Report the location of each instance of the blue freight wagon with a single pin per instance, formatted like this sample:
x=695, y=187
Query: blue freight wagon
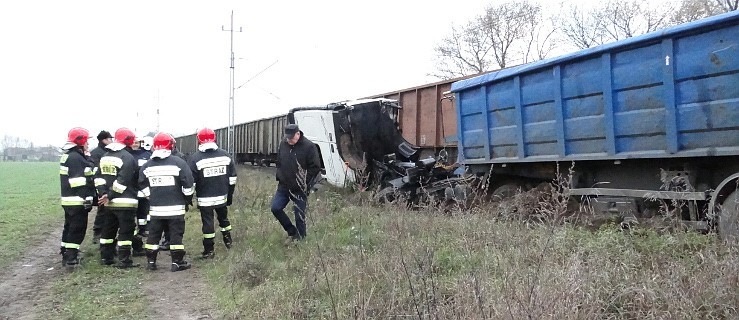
x=654, y=116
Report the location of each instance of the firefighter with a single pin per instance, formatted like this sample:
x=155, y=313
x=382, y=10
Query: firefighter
x=141, y=153
x=117, y=189
x=104, y=138
x=168, y=183
x=215, y=180
x=75, y=175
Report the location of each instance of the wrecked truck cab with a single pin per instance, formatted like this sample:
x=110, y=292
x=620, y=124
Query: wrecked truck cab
x=351, y=134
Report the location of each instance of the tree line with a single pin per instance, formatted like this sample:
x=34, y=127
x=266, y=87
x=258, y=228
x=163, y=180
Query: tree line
x=519, y=31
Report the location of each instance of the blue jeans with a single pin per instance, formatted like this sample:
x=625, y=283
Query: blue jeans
x=300, y=202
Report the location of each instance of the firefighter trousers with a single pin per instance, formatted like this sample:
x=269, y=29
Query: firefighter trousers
x=206, y=214
x=176, y=225
x=75, y=226
x=122, y=222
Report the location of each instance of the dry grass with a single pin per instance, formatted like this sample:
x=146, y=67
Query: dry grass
x=364, y=262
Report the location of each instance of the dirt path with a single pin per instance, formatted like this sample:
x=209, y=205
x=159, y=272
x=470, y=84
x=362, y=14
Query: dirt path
x=25, y=282
x=178, y=295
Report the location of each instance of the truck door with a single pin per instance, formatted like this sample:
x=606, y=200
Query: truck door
x=318, y=126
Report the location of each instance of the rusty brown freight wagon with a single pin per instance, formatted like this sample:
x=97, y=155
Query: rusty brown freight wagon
x=426, y=118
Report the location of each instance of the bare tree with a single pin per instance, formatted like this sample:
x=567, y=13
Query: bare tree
x=582, y=28
x=728, y=5
x=462, y=53
x=508, y=33
x=628, y=18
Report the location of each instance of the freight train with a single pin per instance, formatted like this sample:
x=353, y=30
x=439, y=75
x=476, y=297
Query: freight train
x=645, y=120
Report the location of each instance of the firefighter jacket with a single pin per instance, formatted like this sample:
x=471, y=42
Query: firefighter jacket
x=76, y=176
x=298, y=165
x=215, y=176
x=118, y=177
x=168, y=183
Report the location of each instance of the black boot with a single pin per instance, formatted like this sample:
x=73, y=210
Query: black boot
x=178, y=262
x=107, y=254
x=151, y=258
x=124, y=258
x=138, y=246
x=70, y=257
x=208, y=252
x=227, y=238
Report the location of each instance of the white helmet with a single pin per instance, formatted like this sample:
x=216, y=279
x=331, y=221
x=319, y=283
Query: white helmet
x=147, y=142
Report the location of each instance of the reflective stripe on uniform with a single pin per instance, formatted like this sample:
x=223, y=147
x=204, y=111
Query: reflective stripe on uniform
x=142, y=222
x=77, y=182
x=187, y=191
x=160, y=211
x=176, y=247
x=166, y=170
x=145, y=193
x=228, y=228
x=99, y=182
x=232, y=180
x=89, y=171
x=63, y=170
x=125, y=243
x=209, y=235
x=72, y=201
x=141, y=194
x=118, y=162
x=211, y=201
x=123, y=203
x=151, y=246
x=71, y=245
x=117, y=187
x=213, y=162
x=106, y=241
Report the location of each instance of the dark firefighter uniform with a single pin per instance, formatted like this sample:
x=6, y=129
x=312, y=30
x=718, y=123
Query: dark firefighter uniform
x=118, y=180
x=168, y=183
x=76, y=176
x=141, y=156
x=215, y=181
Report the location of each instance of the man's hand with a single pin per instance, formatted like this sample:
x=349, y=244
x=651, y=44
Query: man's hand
x=103, y=200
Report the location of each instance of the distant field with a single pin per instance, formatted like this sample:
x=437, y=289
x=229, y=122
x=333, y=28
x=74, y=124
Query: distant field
x=29, y=206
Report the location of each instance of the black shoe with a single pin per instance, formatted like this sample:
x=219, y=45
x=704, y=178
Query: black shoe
x=207, y=255
x=227, y=239
x=179, y=266
x=107, y=262
x=151, y=266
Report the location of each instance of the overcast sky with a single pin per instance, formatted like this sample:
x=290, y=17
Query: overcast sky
x=107, y=64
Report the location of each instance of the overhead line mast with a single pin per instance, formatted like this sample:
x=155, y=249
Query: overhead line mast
x=232, y=84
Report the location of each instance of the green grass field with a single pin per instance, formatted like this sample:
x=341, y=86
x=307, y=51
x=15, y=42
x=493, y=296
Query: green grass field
x=366, y=261
x=29, y=206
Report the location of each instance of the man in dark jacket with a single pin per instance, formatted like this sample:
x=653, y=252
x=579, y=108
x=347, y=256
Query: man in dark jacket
x=298, y=165
x=104, y=138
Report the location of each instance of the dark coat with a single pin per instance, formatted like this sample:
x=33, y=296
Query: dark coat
x=290, y=159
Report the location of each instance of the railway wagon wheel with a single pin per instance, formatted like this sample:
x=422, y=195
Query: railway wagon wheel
x=728, y=218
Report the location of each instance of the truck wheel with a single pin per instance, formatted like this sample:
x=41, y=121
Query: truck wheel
x=505, y=191
x=728, y=218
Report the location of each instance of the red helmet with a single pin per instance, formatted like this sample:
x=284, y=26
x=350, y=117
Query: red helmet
x=206, y=135
x=78, y=136
x=163, y=141
x=125, y=136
